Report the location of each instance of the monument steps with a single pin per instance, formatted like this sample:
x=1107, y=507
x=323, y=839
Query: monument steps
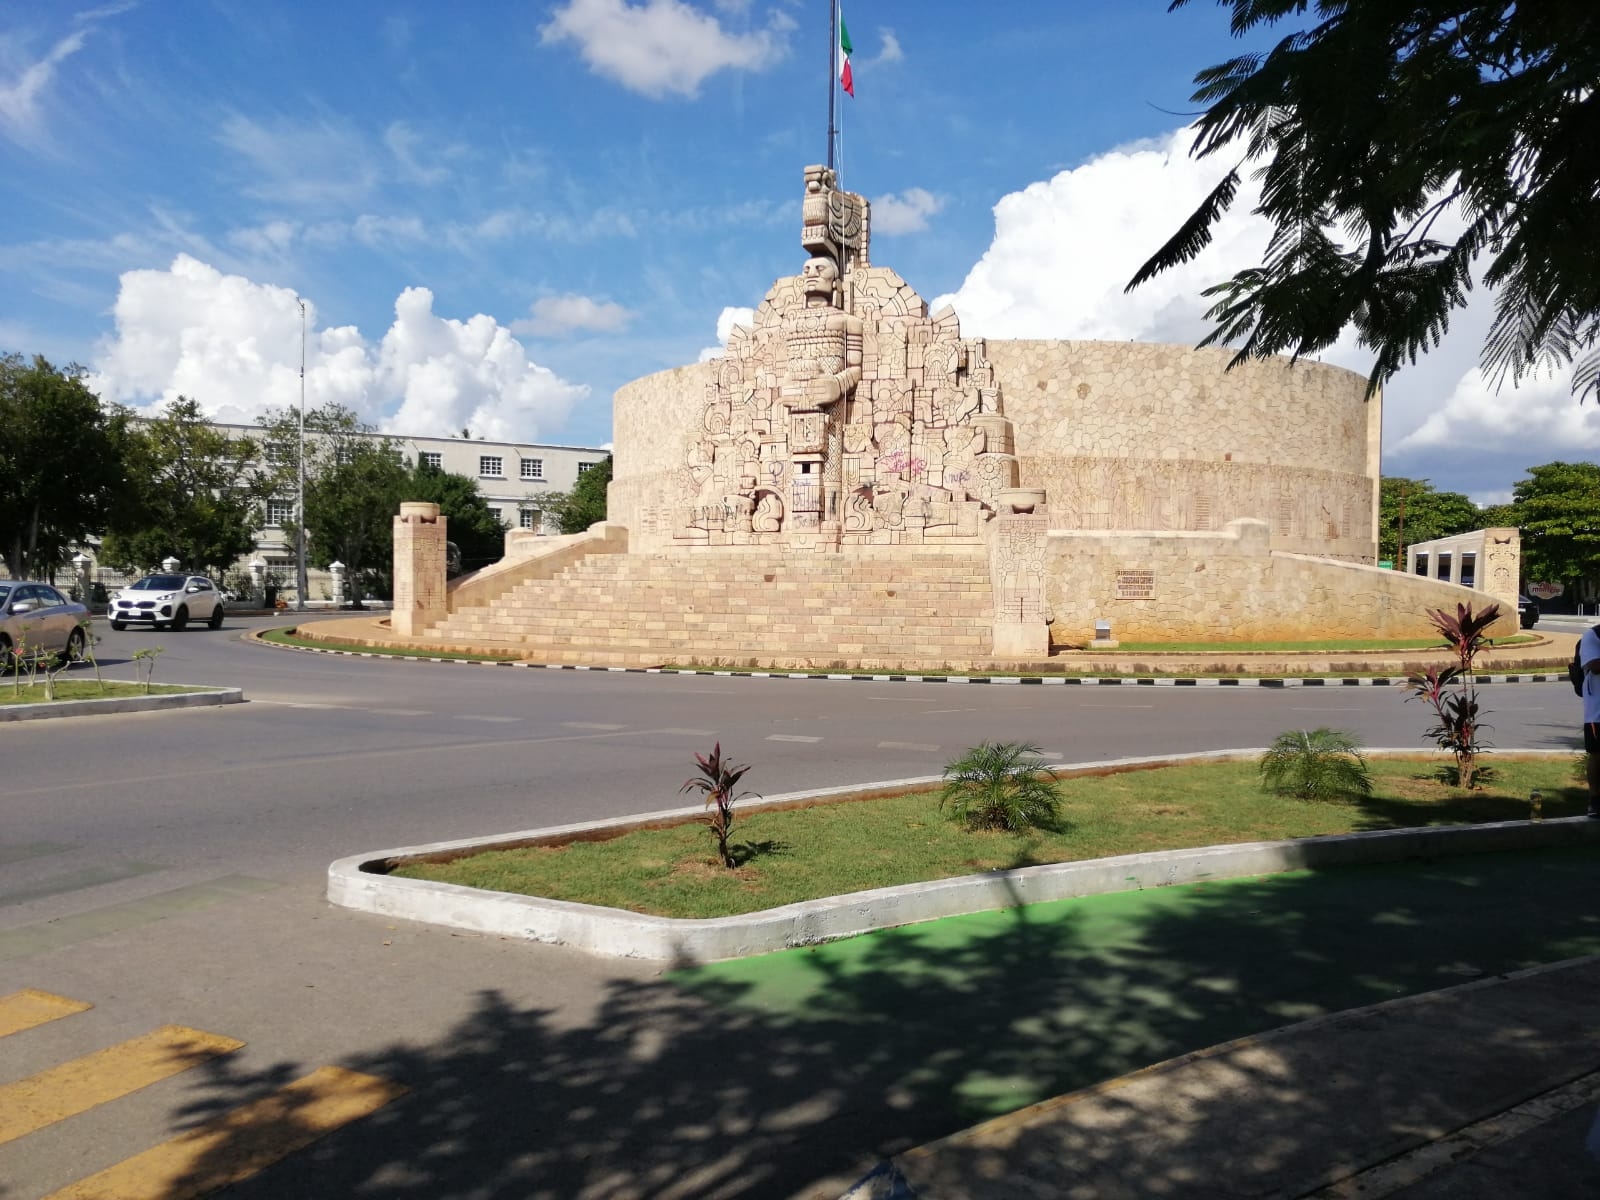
x=747, y=607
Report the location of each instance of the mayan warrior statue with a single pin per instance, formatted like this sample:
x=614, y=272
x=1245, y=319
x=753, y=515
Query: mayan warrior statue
x=845, y=414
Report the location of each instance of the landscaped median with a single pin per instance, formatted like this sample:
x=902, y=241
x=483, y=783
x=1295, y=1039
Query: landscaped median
x=1014, y=869
x=82, y=698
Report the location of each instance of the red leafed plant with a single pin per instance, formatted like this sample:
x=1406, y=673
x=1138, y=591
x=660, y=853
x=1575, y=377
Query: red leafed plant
x=717, y=779
x=1453, y=691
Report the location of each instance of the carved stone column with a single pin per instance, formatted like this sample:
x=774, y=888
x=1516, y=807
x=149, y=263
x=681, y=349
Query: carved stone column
x=419, y=568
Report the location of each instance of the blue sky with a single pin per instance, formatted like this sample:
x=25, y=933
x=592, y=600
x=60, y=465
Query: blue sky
x=496, y=213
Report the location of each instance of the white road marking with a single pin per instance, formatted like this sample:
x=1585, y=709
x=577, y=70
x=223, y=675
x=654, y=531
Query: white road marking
x=688, y=732
x=906, y=746
x=591, y=725
x=791, y=737
x=490, y=720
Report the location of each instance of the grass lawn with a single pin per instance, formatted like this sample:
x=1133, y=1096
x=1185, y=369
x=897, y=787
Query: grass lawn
x=834, y=848
x=85, y=689
x=288, y=637
x=1323, y=647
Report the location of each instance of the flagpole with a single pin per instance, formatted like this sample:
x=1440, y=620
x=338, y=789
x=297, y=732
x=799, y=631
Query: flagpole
x=833, y=75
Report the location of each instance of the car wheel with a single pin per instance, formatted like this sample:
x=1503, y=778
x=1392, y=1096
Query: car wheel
x=74, y=651
x=180, y=619
x=119, y=626
x=216, y=618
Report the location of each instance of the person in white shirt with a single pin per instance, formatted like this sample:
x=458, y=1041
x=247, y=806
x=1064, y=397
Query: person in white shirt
x=1589, y=656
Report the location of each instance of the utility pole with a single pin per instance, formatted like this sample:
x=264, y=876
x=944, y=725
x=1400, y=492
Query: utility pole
x=300, y=584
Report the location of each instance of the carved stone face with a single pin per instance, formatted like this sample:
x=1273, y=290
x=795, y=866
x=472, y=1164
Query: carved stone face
x=819, y=277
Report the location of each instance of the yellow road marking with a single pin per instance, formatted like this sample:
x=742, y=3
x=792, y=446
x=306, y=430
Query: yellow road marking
x=108, y=1074
x=29, y=1007
x=237, y=1144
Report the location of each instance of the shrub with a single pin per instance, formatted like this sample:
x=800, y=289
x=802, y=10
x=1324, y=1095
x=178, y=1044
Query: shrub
x=1001, y=785
x=1453, y=692
x=717, y=779
x=1315, y=764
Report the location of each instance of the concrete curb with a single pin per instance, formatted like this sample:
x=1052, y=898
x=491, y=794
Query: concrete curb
x=209, y=698
x=361, y=882
x=1284, y=681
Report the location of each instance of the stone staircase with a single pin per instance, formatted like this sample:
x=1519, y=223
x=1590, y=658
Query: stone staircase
x=750, y=607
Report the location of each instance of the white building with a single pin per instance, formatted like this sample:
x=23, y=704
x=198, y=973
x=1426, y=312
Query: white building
x=513, y=477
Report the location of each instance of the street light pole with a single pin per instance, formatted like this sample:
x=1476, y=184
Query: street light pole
x=300, y=502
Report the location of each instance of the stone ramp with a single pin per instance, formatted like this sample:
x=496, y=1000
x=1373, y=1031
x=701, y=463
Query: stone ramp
x=750, y=607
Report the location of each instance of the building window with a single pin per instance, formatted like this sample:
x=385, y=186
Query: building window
x=434, y=459
x=1442, y=570
x=494, y=512
x=1422, y=564
x=491, y=466
x=280, y=512
x=582, y=467
x=533, y=468
x=528, y=518
x=1469, y=568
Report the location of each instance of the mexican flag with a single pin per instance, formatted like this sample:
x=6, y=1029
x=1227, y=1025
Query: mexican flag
x=846, y=80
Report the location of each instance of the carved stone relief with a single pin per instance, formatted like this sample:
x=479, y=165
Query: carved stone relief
x=846, y=413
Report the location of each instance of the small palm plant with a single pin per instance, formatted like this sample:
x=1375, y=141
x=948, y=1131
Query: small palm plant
x=1316, y=764
x=717, y=779
x=1001, y=785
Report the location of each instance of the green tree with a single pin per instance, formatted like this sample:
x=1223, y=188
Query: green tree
x=1559, y=505
x=1425, y=513
x=191, y=495
x=354, y=484
x=585, y=504
x=62, y=469
x=477, y=532
x=1378, y=123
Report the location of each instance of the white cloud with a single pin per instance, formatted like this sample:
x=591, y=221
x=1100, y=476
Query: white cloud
x=19, y=97
x=660, y=46
x=1065, y=248
x=234, y=345
x=315, y=164
x=403, y=143
x=554, y=316
x=891, y=51
x=726, y=320
x=907, y=212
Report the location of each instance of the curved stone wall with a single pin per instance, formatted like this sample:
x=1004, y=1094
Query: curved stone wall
x=1137, y=436
x=1122, y=435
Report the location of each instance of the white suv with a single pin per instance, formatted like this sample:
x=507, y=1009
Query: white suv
x=167, y=600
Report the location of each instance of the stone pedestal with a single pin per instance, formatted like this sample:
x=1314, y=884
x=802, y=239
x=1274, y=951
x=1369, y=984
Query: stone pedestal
x=419, y=568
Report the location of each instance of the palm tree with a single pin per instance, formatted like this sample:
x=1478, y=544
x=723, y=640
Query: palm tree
x=1001, y=785
x=1316, y=764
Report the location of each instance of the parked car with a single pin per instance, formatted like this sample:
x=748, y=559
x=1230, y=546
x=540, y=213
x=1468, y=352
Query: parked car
x=1527, y=611
x=36, y=617
x=167, y=601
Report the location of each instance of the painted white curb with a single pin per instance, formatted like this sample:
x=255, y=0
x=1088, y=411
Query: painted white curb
x=120, y=704
x=359, y=882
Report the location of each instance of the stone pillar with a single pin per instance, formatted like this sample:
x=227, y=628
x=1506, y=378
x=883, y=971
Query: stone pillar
x=258, y=582
x=80, y=571
x=1018, y=574
x=170, y=565
x=419, y=568
x=336, y=585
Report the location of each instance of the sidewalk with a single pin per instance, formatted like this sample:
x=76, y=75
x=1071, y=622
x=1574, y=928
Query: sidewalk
x=1486, y=1089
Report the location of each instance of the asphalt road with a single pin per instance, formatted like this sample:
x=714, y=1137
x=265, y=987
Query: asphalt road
x=168, y=867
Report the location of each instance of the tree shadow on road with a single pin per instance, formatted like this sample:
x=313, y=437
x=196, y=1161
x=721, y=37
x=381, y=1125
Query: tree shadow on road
x=789, y=1075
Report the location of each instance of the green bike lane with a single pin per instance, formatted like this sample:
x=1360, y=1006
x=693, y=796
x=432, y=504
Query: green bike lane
x=980, y=1015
